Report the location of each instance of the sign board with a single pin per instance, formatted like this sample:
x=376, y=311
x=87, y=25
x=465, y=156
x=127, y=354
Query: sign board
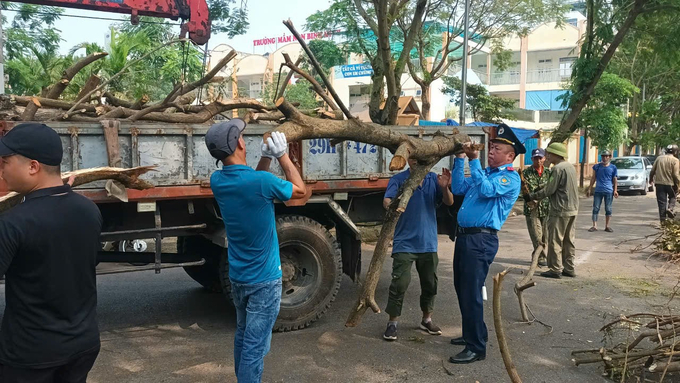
x=353, y=70
x=290, y=38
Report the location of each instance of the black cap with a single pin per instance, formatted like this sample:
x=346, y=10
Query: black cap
x=34, y=141
x=505, y=135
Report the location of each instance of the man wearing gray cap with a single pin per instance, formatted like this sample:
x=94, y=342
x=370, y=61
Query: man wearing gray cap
x=246, y=200
x=536, y=212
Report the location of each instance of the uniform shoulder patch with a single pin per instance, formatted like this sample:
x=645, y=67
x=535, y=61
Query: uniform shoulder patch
x=505, y=181
x=510, y=168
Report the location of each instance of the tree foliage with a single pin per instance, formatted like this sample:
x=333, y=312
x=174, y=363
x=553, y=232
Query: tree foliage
x=300, y=92
x=604, y=117
x=484, y=107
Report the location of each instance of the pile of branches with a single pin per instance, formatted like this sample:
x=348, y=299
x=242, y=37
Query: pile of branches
x=640, y=348
x=94, y=103
x=667, y=244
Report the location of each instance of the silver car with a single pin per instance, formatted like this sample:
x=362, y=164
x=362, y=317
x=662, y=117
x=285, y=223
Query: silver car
x=633, y=174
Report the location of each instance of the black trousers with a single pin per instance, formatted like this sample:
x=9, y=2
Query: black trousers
x=73, y=372
x=473, y=255
x=665, y=198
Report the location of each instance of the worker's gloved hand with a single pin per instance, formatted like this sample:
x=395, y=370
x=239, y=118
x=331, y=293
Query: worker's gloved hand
x=266, y=152
x=277, y=144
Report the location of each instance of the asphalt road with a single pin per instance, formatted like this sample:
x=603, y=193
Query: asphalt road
x=165, y=328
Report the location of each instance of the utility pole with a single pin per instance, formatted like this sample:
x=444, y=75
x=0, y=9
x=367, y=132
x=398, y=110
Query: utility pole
x=463, y=76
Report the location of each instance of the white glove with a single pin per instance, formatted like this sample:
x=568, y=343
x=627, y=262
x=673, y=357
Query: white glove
x=277, y=144
x=266, y=152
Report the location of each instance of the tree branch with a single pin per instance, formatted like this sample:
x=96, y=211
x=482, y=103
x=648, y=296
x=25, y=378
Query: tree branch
x=317, y=87
x=286, y=80
x=319, y=70
x=57, y=89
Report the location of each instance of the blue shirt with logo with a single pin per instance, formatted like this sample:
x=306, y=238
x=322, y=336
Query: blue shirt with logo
x=416, y=230
x=604, y=176
x=489, y=194
x=246, y=200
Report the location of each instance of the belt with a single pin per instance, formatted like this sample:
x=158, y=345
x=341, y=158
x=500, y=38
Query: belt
x=476, y=230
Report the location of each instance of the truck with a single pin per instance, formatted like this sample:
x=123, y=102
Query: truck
x=319, y=236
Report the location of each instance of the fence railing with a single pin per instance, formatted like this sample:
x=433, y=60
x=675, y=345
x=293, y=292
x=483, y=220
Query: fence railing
x=550, y=116
x=519, y=114
x=547, y=75
x=504, y=78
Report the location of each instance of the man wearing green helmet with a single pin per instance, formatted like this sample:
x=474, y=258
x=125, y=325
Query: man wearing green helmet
x=562, y=190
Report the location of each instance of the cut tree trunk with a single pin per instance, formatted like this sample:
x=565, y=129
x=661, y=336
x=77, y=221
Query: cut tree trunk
x=425, y=100
x=128, y=177
x=427, y=153
x=90, y=84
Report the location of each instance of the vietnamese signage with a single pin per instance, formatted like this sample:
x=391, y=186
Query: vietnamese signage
x=353, y=70
x=290, y=38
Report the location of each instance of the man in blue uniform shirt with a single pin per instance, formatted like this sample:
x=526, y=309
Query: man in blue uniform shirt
x=415, y=240
x=246, y=200
x=489, y=196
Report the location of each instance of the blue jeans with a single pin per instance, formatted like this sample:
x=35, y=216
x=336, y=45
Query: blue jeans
x=597, y=202
x=257, y=306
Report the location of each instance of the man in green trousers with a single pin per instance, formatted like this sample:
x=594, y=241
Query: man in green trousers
x=562, y=190
x=415, y=240
x=536, y=177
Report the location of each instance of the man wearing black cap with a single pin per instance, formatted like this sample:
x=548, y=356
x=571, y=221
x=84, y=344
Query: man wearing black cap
x=536, y=176
x=48, y=253
x=490, y=195
x=246, y=200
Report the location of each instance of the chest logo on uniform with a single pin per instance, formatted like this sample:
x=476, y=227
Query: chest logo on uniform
x=505, y=181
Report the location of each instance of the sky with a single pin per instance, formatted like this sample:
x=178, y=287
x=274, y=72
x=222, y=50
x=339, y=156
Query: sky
x=265, y=17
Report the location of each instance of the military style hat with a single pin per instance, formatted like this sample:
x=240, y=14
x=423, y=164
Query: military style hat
x=505, y=135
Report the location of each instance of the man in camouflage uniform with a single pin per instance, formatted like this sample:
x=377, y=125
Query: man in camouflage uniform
x=535, y=212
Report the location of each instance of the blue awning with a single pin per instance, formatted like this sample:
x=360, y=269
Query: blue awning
x=545, y=100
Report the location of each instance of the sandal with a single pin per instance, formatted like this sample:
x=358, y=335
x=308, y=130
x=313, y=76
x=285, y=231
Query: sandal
x=592, y=229
x=609, y=230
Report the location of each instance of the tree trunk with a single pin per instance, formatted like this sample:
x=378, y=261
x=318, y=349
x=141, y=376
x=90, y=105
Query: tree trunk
x=366, y=298
x=567, y=126
x=377, y=94
x=425, y=100
x=428, y=153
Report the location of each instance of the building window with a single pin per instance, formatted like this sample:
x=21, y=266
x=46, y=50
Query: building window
x=566, y=63
x=573, y=22
x=481, y=66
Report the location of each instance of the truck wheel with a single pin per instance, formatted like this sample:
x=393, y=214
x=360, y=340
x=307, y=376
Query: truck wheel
x=224, y=277
x=311, y=265
x=208, y=274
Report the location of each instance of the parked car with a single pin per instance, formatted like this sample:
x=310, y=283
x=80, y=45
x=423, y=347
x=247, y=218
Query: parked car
x=633, y=174
x=651, y=158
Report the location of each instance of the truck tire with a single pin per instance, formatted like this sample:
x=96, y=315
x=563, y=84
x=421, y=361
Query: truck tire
x=208, y=274
x=311, y=264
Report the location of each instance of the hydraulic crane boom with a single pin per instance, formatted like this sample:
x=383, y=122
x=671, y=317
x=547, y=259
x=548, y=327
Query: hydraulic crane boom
x=195, y=11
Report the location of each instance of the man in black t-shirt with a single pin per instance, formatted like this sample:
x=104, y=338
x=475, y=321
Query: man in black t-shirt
x=48, y=249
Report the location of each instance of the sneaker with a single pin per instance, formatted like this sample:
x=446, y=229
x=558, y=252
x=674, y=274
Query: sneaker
x=390, y=333
x=431, y=328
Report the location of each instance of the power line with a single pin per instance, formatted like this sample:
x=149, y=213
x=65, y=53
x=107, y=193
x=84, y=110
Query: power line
x=92, y=17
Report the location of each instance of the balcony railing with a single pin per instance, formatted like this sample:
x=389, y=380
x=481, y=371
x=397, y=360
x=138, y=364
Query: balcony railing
x=482, y=76
x=547, y=75
x=505, y=78
x=519, y=114
x=550, y=116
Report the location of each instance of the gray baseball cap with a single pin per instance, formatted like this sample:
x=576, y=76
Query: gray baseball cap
x=222, y=138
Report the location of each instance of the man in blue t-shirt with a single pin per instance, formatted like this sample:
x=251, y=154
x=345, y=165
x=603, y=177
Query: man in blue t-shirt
x=246, y=200
x=605, y=174
x=415, y=240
